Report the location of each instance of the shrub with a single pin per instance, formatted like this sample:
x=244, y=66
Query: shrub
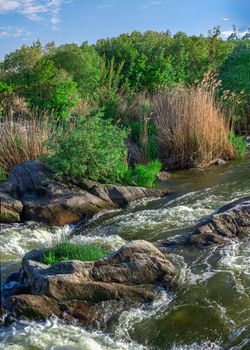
x=22, y=140
x=239, y=144
x=70, y=251
x=93, y=148
x=191, y=127
x=145, y=175
x=3, y=174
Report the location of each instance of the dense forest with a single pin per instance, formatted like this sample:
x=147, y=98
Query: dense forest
x=126, y=107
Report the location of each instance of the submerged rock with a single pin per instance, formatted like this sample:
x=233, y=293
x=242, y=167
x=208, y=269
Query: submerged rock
x=163, y=176
x=231, y=221
x=217, y=162
x=57, y=203
x=10, y=206
x=133, y=273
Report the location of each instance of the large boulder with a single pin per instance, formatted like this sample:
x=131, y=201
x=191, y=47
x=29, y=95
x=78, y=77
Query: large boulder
x=135, y=272
x=10, y=206
x=55, y=202
x=232, y=221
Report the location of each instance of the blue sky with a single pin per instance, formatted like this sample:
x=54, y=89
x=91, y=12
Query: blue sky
x=24, y=21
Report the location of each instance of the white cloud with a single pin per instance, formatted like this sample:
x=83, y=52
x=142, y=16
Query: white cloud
x=152, y=3
x=107, y=4
x=13, y=32
x=227, y=33
x=33, y=9
x=225, y=18
x=6, y=5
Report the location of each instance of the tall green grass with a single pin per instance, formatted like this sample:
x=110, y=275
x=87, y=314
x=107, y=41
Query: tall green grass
x=145, y=175
x=70, y=251
x=239, y=144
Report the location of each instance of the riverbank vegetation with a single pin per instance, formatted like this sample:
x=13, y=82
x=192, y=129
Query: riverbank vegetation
x=125, y=108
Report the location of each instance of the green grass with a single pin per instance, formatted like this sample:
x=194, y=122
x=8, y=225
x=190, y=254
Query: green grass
x=70, y=251
x=145, y=175
x=3, y=174
x=239, y=144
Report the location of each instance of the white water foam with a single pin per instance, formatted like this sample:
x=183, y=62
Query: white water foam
x=56, y=335
x=113, y=241
x=196, y=346
x=128, y=319
x=16, y=240
x=236, y=257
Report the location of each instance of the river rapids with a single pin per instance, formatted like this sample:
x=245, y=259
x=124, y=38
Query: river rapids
x=210, y=309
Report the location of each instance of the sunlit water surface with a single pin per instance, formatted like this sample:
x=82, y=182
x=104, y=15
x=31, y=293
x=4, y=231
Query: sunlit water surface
x=210, y=309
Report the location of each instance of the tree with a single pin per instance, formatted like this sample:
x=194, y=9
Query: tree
x=235, y=76
x=82, y=63
x=22, y=59
x=49, y=89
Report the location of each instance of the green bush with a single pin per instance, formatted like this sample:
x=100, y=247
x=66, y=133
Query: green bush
x=145, y=175
x=239, y=144
x=94, y=148
x=69, y=251
x=3, y=174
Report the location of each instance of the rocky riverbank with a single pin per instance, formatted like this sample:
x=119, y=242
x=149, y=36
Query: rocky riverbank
x=33, y=194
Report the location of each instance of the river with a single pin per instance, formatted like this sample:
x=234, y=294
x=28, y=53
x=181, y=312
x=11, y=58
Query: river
x=209, y=310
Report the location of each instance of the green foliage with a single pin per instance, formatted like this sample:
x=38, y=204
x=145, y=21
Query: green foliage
x=3, y=174
x=22, y=59
x=110, y=86
x=69, y=251
x=49, y=89
x=5, y=88
x=234, y=74
x=153, y=59
x=239, y=144
x=83, y=64
x=235, y=70
x=136, y=129
x=153, y=150
x=144, y=175
x=94, y=148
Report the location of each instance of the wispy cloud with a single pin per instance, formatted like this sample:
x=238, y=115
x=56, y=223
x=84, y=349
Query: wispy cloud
x=152, y=3
x=227, y=33
x=13, y=32
x=34, y=9
x=225, y=18
x=106, y=4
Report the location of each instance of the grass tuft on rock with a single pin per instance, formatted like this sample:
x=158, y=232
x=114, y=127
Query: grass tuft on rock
x=70, y=251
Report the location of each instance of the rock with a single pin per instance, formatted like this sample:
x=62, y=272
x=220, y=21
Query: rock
x=56, y=203
x=232, y=221
x=133, y=274
x=163, y=176
x=10, y=206
x=217, y=162
x=51, y=202
x=32, y=306
x=120, y=196
x=40, y=308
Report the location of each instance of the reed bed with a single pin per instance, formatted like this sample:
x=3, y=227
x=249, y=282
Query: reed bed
x=192, y=128
x=22, y=139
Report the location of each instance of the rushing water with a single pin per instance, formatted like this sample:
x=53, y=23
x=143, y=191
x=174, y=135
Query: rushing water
x=210, y=309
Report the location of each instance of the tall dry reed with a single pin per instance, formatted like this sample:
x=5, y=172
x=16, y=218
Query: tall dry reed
x=21, y=140
x=191, y=127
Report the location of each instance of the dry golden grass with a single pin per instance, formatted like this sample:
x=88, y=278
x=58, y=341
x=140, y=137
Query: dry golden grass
x=21, y=140
x=191, y=127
